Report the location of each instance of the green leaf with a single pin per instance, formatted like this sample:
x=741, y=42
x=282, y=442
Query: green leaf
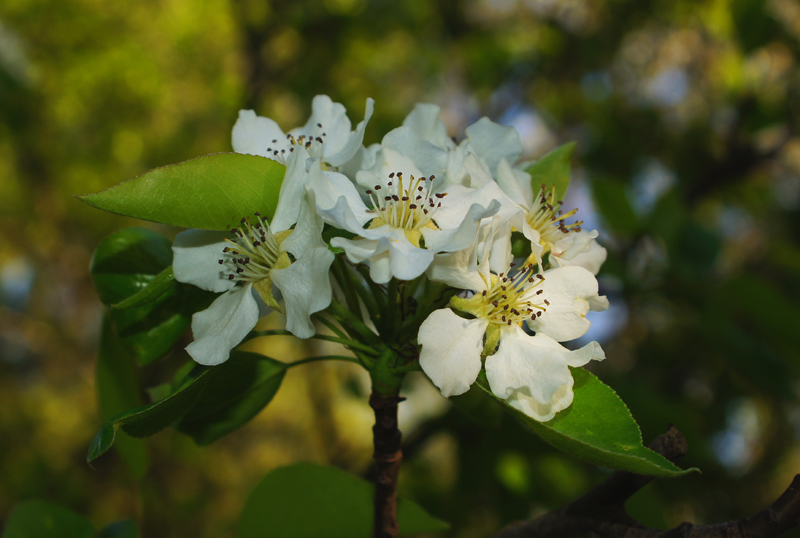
x=162, y=283
x=554, y=169
x=120, y=529
x=40, y=519
x=127, y=261
x=132, y=263
x=152, y=330
x=117, y=390
x=597, y=428
x=236, y=391
x=612, y=201
x=211, y=192
x=148, y=420
x=341, y=505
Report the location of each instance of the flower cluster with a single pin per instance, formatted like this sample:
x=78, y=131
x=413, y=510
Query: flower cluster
x=416, y=206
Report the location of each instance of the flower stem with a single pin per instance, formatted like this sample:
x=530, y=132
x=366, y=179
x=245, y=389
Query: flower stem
x=344, y=341
x=323, y=358
x=388, y=456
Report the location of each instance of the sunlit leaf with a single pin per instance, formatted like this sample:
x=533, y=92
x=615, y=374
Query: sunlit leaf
x=40, y=519
x=554, y=169
x=341, y=505
x=236, y=391
x=597, y=428
x=211, y=192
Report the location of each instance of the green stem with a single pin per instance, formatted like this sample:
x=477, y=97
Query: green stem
x=342, y=275
x=391, y=308
x=330, y=325
x=323, y=358
x=343, y=341
x=348, y=320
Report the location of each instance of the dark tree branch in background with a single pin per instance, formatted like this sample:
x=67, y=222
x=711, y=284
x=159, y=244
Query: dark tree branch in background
x=602, y=510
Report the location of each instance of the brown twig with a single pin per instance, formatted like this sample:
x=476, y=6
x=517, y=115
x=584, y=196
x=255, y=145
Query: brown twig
x=388, y=456
x=602, y=510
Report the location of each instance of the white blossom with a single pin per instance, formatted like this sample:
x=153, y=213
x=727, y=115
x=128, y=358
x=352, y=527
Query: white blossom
x=252, y=258
x=531, y=372
x=406, y=219
x=326, y=135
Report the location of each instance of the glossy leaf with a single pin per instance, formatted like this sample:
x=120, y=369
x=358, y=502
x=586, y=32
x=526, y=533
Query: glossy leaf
x=340, y=505
x=211, y=192
x=40, y=519
x=133, y=265
x=118, y=390
x=127, y=261
x=597, y=428
x=554, y=169
x=236, y=391
x=163, y=282
x=150, y=419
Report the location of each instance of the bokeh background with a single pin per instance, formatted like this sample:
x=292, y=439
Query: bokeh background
x=688, y=162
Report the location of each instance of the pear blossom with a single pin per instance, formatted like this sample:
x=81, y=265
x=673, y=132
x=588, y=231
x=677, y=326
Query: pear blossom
x=544, y=223
x=406, y=219
x=252, y=258
x=423, y=136
x=530, y=372
x=326, y=135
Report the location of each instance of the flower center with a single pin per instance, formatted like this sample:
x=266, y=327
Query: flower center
x=510, y=300
x=253, y=254
x=407, y=204
x=313, y=142
x=548, y=219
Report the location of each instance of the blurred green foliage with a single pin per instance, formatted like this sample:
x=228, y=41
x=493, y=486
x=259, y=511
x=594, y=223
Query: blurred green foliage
x=685, y=115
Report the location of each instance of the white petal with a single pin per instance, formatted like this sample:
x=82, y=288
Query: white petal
x=335, y=124
x=515, y=183
x=306, y=289
x=337, y=199
x=424, y=120
x=429, y=158
x=196, y=260
x=293, y=190
x=522, y=400
x=363, y=159
x=451, y=350
x=307, y=234
x=568, y=289
x=224, y=324
x=494, y=142
x=353, y=142
x=462, y=269
x=391, y=253
x=591, y=256
x=536, y=362
x=254, y=134
x=598, y=304
x=386, y=162
x=590, y=352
